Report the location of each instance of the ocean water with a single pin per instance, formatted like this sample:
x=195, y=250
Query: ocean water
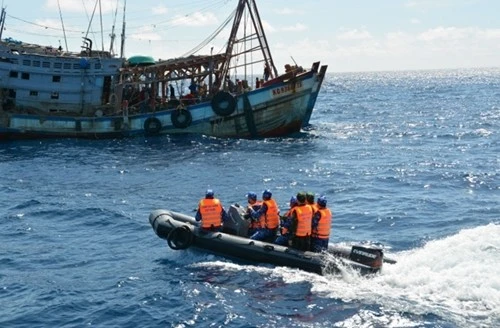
x=408, y=160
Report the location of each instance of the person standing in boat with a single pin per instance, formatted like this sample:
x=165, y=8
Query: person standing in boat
x=286, y=220
x=172, y=91
x=211, y=213
x=321, y=225
x=253, y=205
x=301, y=223
x=269, y=217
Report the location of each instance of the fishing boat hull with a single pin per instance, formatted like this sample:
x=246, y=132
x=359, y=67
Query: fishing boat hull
x=181, y=232
x=277, y=109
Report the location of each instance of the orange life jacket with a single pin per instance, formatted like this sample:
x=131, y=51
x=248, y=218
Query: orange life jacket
x=304, y=218
x=255, y=224
x=287, y=216
x=210, y=210
x=324, y=224
x=270, y=219
x=314, y=207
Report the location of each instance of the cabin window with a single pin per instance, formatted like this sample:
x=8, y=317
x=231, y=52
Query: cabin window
x=25, y=76
x=34, y=93
x=57, y=65
x=54, y=95
x=36, y=63
x=76, y=66
x=13, y=74
x=26, y=62
x=98, y=66
x=56, y=78
x=46, y=64
x=67, y=65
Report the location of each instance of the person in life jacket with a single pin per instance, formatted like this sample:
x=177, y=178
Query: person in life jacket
x=310, y=201
x=269, y=217
x=253, y=205
x=211, y=213
x=321, y=225
x=300, y=228
x=285, y=224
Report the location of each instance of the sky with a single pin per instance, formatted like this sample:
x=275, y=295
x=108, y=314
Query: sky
x=348, y=35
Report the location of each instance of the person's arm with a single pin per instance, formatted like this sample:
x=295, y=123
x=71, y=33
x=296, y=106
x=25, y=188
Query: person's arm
x=293, y=224
x=262, y=210
x=197, y=217
x=315, y=221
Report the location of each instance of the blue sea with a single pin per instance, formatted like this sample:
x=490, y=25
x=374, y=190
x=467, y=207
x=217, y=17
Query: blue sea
x=407, y=160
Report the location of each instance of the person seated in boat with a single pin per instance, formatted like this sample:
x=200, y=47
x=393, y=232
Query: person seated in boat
x=301, y=223
x=285, y=223
x=211, y=213
x=310, y=201
x=253, y=205
x=321, y=225
x=269, y=217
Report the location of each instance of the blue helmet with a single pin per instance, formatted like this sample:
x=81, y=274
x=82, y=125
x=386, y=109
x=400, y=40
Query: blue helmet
x=293, y=201
x=267, y=194
x=209, y=193
x=252, y=195
x=322, y=201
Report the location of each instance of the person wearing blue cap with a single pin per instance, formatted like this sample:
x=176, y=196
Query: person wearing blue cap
x=321, y=225
x=253, y=205
x=286, y=221
x=269, y=217
x=210, y=212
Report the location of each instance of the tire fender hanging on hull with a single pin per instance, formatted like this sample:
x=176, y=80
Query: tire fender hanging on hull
x=223, y=103
x=181, y=118
x=152, y=126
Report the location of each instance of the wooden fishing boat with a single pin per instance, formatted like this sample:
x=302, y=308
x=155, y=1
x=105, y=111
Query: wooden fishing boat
x=50, y=93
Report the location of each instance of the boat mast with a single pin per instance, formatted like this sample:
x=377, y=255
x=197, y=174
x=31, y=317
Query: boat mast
x=62, y=23
x=257, y=23
x=122, y=47
x=113, y=35
x=2, y=21
x=268, y=59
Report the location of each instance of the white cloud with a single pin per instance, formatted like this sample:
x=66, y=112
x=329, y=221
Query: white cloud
x=297, y=27
x=145, y=33
x=78, y=6
x=268, y=27
x=159, y=10
x=196, y=19
x=287, y=11
x=353, y=34
x=415, y=21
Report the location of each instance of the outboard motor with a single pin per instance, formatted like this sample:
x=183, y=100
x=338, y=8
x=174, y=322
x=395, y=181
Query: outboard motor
x=236, y=225
x=370, y=256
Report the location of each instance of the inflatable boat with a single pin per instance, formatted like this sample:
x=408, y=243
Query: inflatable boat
x=181, y=232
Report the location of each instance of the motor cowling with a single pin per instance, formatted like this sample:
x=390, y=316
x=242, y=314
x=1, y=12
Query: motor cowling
x=370, y=256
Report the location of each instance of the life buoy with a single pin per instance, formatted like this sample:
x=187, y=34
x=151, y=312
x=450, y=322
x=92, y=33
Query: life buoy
x=180, y=238
x=152, y=126
x=181, y=118
x=223, y=103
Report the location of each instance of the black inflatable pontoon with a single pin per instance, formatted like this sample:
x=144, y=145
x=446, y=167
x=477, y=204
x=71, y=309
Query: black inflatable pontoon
x=181, y=231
